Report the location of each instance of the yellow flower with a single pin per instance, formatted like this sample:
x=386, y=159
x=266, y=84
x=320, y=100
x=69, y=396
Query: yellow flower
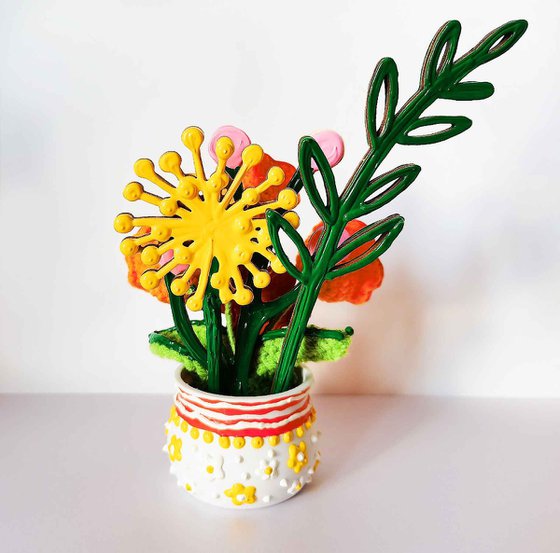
x=202, y=220
x=241, y=494
x=174, y=449
x=297, y=456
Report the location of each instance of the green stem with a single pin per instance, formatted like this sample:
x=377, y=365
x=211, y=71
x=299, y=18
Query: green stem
x=212, y=318
x=296, y=183
x=294, y=337
x=295, y=334
x=183, y=324
x=249, y=328
x=229, y=326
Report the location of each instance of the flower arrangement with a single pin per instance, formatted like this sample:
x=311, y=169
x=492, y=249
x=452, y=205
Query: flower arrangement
x=217, y=239
x=217, y=246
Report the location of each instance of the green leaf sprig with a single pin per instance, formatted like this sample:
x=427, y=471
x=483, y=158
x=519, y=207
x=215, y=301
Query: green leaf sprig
x=441, y=78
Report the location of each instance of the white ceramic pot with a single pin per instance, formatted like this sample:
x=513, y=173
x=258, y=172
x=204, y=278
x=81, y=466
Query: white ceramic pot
x=242, y=452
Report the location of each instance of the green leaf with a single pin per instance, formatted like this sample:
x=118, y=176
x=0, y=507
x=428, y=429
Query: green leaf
x=310, y=150
x=386, y=75
x=275, y=223
x=470, y=90
x=440, y=53
x=394, y=183
x=497, y=42
x=168, y=345
x=381, y=235
x=318, y=345
x=456, y=125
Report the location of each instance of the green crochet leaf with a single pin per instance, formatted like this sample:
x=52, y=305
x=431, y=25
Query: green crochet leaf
x=319, y=344
x=168, y=345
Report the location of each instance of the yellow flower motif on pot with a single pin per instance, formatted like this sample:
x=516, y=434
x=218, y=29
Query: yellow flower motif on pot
x=268, y=468
x=213, y=464
x=297, y=456
x=202, y=221
x=241, y=495
x=174, y=449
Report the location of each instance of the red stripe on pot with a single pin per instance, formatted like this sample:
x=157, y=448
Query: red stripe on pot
x=244, y=416
x=249, y=432
x=232, y=409
x=220, y=417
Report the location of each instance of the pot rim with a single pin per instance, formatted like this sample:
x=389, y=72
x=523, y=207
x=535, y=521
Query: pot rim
x=307, y=381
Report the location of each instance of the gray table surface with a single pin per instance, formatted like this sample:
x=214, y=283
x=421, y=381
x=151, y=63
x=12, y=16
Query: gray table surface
x=83, y=473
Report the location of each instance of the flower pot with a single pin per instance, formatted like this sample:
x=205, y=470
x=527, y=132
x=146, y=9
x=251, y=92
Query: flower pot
x=243, y=452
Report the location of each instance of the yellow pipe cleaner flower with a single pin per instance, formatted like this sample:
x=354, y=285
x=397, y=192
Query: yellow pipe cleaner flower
x=201, y=222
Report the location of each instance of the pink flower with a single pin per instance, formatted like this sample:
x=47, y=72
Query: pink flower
x=240, y=142
x=168, y=256
x=332, y=145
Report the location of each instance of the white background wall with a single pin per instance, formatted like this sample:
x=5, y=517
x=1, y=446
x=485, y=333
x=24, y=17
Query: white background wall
x=470, y=301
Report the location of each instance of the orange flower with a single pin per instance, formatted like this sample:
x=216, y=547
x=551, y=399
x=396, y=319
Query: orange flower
x=135, y=270
x=257, y=174
x=355, y=287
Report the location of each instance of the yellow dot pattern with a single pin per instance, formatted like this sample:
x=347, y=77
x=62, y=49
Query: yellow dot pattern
x=239, y=442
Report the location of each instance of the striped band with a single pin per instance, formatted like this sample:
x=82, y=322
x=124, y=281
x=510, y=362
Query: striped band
x=243, y=416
